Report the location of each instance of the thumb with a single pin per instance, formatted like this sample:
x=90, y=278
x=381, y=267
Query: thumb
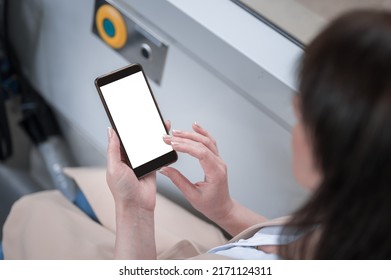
x=183, y=184
x=114, y=162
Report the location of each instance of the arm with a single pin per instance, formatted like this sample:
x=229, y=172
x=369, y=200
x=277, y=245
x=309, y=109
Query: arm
x=238, y=219
x=210, y=196
x=135, y=238
x=134, y=205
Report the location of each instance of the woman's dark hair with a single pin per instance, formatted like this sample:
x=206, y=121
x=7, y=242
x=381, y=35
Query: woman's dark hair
x=345, y=102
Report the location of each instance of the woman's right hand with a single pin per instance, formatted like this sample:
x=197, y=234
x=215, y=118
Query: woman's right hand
x=210, y=196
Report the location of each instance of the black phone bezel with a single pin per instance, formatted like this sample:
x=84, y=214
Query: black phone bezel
x=116, y=75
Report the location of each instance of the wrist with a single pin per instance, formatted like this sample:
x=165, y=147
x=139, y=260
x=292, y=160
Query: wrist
x=223, y=214
x=135, y=237
x=137, y=204
x=131, y=212
x=238, y=218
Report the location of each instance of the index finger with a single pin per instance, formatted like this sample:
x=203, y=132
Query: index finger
x=208, y=160
x=198, y=135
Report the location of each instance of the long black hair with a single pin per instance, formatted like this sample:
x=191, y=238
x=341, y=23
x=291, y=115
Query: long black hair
x=345, y=103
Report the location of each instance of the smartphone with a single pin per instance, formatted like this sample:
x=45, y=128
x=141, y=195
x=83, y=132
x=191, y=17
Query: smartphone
x=136, y=118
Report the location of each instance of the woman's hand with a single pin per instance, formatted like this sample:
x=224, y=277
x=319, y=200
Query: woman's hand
x=128, y=191
x=210, y=196
x=134, y=205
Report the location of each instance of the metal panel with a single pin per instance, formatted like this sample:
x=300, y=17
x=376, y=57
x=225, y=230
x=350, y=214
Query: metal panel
x=141, y=45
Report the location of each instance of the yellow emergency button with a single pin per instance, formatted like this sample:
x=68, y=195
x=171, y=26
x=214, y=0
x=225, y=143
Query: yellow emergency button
x=111, y=26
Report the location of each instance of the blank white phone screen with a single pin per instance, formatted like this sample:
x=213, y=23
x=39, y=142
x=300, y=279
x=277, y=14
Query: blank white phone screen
x=136, y=118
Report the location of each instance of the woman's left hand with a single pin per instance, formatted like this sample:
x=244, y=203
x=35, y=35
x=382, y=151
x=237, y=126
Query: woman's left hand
x=128, y=191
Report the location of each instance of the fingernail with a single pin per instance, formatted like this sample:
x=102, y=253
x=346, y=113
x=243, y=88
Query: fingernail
x=162, y=171
x=173, y=143
x=109, y=132
x=176, y=131
x=167, y=137
x=196, y=123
